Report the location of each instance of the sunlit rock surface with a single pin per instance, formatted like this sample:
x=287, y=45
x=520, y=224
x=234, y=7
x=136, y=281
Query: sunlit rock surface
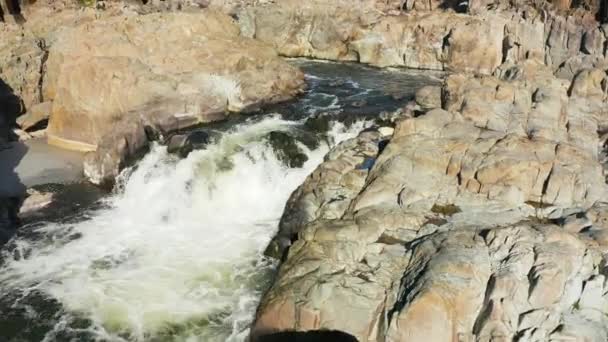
x=481, y=220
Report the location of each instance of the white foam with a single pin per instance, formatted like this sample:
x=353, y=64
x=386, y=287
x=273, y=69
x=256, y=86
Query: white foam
x=180, y=245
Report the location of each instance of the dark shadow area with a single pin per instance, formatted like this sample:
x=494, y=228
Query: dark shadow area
x=460, y=6
x=11, y=107
x=12, y=7
x=9, y=221
x=12, y=190
x=602, y=14
x=10, y=157
x=12, y=152
x=307, y=336
x=38, y=126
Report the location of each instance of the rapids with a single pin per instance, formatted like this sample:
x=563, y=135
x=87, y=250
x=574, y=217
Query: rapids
x=175, y=252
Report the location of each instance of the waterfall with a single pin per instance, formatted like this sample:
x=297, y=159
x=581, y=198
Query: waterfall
x=177, y=251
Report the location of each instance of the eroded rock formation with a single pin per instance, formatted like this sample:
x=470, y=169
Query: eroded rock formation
x=108, y=76
x=480, y=220
x=431, y=34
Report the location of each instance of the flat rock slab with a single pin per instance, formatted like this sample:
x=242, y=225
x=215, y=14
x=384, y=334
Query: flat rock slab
x=30, y=163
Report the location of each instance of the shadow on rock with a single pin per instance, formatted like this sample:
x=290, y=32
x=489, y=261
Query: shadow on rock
x=12, y=152
x=12, y=190
x=307, y=336
x=11, y=106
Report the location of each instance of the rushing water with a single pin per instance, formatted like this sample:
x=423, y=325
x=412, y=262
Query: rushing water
x=175, y=252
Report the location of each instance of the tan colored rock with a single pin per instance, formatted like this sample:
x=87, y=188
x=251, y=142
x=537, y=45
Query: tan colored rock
x=94, y=94
x=339, y=172
x=200, y=81
x=481, y=221
x=200, y=70
x=21, y=60
x=429, y=97
x=439, y=41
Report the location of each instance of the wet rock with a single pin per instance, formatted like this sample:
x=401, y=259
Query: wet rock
x=358, y=104
x=286, y=149
x=115, y=151
x=59, y=202
x=34, y=201
x=309, y=139
x=317, y=123
x=183, y=144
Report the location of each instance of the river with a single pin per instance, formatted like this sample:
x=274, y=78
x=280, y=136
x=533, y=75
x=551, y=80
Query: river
x=175, y=251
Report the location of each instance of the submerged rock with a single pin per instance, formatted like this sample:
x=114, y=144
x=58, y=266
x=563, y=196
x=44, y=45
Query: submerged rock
x=34, y=201
x=286, y=149
x=318, y=123
x=183, y=144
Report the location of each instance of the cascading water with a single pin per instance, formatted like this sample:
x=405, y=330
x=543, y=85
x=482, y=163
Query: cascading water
x=176, y=253
x=178, y=248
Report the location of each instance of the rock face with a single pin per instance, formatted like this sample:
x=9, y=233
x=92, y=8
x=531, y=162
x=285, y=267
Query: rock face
x=479, y=221
x=339, y=31
x=200, y=70
x=423, y=35
x=107, y=77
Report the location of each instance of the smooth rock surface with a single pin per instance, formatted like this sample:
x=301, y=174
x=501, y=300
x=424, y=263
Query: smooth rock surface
x=199, y=70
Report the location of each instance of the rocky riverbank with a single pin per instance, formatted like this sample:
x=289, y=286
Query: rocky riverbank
x=482, y=217
x=109, y=80
x=474, y=36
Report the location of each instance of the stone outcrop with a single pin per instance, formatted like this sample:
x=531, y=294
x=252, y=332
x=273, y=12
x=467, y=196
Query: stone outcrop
x=107, y=79
x=481, y=220
x=339, y=31
x=431, y=34
x=415, y=34
x=200, y=70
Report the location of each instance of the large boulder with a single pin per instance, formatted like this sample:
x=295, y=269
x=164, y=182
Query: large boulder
x=167, y=71
x=482, y=220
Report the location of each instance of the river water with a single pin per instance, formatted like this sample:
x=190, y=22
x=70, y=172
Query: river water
x=175, y=252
